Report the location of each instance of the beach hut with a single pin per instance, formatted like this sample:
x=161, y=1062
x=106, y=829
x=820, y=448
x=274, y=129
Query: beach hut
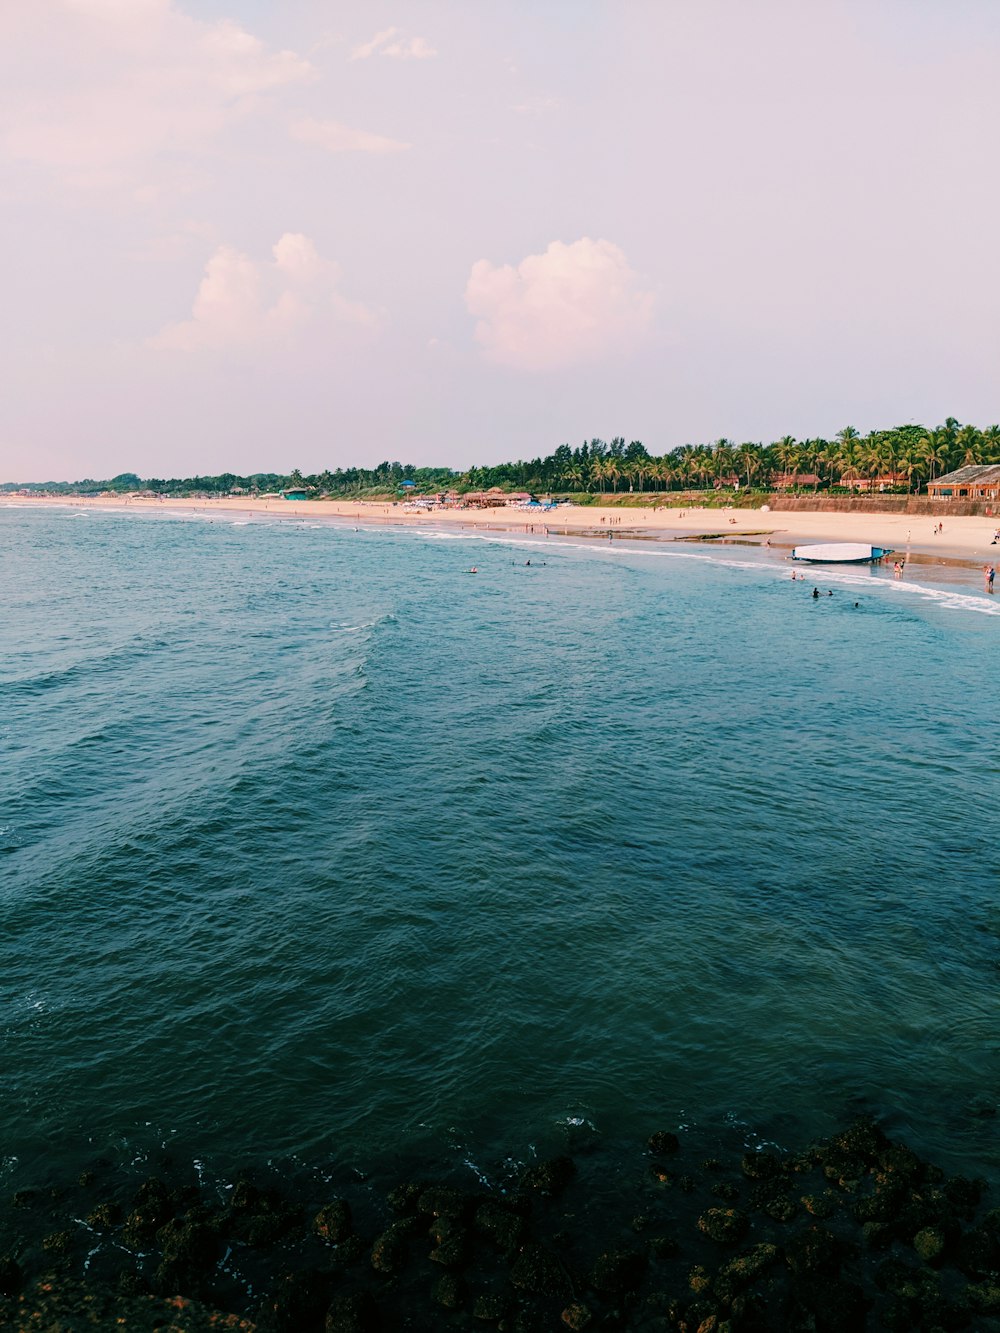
x=888, y=481
x=785, y=481
x=295, y=495
x=975, y=482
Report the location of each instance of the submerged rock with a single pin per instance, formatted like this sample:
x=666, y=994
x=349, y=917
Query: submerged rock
x=663, y=1143
x=500, y=1225
x=537, y=1270
x=618, y=1270
x=550, y=1177
x=353, y=1313
x=333, y=1222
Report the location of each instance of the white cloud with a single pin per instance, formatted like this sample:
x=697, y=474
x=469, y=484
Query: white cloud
x=392, y=42
x=537, y=106
x=336, y=137
x=242, y=304
x=127, y=81
x=573, y=304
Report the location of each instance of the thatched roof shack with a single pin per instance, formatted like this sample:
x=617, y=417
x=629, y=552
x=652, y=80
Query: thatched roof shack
x=785, y=481
x=886, y=482
x=975, y=482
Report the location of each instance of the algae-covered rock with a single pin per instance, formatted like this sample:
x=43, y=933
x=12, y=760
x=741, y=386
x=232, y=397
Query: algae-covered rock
x=389, y=1249
x=104, y=1216
x=929, y=1244
x=748, y=1267
x=984, y=1297
x=451, y=1252
x=332, y=1223
x=57, y=1242
x=700, y=1279
x=449, y=1291
x=501, y=1225
x=818, y=1205
x=576, y=1316
x=760, y=1165
x=724, y=1225
x=538, y=1271
x=490, y=1306
x=863, y=1140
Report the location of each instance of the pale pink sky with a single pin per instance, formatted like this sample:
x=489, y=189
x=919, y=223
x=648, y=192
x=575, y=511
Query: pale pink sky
x=260, y=234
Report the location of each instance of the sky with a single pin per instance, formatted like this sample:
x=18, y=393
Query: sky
x=252, y=235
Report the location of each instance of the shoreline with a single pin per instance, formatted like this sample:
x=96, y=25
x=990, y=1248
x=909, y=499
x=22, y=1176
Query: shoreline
x=965, y=538
x=689, y=1230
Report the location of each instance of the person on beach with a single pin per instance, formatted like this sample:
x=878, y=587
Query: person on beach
x=989, y=574
x=815, y=592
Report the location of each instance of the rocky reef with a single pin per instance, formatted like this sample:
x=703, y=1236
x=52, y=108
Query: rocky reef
x=854, y=1232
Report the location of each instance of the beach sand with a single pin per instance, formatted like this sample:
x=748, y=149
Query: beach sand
x=965, y=539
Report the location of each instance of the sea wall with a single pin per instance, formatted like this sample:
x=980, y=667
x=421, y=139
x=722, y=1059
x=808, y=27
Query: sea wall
x=882, y=504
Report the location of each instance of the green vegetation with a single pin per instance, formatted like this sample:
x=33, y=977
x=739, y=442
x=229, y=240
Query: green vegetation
x=898, y=460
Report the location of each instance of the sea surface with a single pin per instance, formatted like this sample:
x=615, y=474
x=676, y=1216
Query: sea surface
x=315, y=846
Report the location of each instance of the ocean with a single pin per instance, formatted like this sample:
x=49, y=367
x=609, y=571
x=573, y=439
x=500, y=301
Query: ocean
x=316, y=847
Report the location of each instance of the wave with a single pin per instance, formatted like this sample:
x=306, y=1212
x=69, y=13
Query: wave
x=384, y=619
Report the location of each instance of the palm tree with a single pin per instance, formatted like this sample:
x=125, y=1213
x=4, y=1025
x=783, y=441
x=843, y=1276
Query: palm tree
x=969, y=440
x=909, y=464
x=723, y=459
x=991, y=443
x=750, y=457
x=933, y=451
x=789, y=455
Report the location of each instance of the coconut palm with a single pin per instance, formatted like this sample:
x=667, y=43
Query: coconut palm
x=789, y=455
x=750, y=458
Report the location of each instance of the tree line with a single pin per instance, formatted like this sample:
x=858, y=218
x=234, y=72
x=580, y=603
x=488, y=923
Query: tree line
x=903, y=458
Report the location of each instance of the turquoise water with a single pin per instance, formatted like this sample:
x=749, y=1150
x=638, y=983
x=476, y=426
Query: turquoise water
x=314, y=844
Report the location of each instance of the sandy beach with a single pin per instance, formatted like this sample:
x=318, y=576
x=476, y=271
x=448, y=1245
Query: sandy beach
x=965, y=539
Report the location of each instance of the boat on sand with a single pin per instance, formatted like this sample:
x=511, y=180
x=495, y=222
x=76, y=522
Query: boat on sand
x=841, y=553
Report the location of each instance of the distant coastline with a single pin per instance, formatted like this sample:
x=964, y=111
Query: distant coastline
x=962, y=537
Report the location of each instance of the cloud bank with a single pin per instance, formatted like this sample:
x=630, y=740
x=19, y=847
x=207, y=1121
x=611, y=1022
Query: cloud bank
x=336, y=137
x=128, y=80
x=392, y=42
x=242, y=305
x=571, y=305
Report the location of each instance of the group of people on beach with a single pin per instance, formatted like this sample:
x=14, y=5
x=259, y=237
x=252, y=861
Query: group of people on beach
x=989, y=574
